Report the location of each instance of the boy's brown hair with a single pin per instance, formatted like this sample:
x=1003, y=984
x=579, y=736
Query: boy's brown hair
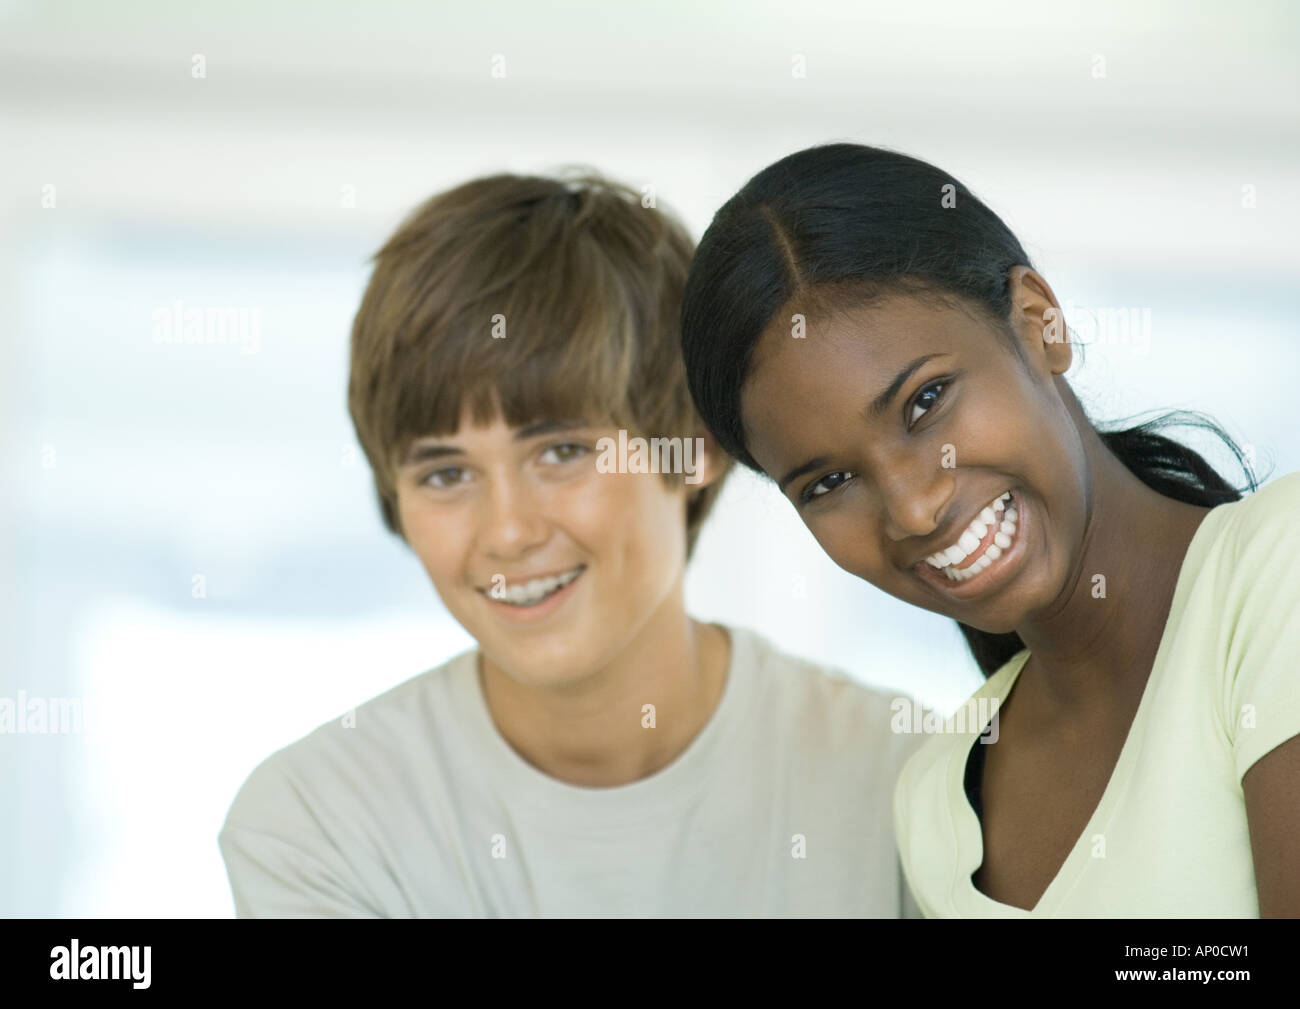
x=539, y=298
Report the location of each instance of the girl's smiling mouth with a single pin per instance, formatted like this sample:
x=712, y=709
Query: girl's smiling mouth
x=987, y=552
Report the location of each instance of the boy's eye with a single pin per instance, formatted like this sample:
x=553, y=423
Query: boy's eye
x=824, y=486
x=448, y=476
x=925, y=400
x=564, y=451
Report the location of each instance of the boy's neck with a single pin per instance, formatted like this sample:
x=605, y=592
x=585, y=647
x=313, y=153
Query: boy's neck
x=595, y=737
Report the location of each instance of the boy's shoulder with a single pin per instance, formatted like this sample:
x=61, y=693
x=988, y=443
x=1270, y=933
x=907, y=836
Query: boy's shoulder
x=775, y=665
x=376, y=741
x=827, y=707
x=313, y=827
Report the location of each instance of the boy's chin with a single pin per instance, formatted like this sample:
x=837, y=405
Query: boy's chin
x=553, y=664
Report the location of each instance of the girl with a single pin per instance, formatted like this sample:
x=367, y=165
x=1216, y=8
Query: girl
x=858, y=326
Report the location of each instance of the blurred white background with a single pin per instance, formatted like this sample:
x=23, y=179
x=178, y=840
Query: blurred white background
x=1123, y=142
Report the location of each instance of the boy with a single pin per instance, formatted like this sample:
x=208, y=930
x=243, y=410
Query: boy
x=600, y=753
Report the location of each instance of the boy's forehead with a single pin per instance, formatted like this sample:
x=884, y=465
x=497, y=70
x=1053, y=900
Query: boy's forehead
x=497, y=424
x=488, y=412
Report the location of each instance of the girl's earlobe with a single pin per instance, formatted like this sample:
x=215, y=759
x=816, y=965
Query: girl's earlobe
x=1058, y=350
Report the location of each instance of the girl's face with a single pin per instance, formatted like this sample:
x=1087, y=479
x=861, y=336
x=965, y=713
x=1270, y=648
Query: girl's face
x=896, y=431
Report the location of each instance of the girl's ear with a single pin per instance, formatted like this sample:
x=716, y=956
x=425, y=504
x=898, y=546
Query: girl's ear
x=1039, y=320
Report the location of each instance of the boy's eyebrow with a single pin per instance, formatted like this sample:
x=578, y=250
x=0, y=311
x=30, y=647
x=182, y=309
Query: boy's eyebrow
x=417, y=454
x=424, y=451
x=547, y=427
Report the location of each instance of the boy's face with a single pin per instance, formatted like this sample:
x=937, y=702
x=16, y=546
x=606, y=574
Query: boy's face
x=552, y=566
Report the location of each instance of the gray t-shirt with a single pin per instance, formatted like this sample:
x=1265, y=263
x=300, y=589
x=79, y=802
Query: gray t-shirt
x=780, y=806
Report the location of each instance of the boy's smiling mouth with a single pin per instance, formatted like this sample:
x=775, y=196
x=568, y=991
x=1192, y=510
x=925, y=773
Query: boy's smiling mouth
x=524, y=592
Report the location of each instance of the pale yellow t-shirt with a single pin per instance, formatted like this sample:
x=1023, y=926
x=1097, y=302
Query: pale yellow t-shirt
x=1169, y=837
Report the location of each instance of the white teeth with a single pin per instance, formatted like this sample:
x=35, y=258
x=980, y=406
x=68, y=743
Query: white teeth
x=534, y=591
x=1000, y=516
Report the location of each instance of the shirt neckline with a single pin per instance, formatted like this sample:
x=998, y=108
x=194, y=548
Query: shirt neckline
x=968, y=830
x=533, y=791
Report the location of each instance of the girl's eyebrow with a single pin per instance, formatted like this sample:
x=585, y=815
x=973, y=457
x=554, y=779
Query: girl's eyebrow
x=798, y=471
x=881, y=403
x=870, y=412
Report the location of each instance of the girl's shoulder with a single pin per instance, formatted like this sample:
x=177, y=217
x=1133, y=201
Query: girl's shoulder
x=1275, y=502
x=1261, y=531
x=1253, y=617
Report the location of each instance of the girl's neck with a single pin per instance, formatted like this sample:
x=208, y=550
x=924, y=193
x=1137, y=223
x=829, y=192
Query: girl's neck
x=1101, y=637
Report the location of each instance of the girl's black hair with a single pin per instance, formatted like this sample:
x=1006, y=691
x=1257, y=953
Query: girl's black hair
x=847, y=223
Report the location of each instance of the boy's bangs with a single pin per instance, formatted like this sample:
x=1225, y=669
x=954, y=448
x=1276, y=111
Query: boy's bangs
x=559, y=364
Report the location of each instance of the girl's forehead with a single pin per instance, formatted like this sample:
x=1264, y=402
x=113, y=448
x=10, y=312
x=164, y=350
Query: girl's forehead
x=872, y=344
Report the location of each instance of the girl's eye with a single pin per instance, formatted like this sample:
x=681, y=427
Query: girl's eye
x=564, y=451
x=448, y=476
x=827, y=484
x=927, y=398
